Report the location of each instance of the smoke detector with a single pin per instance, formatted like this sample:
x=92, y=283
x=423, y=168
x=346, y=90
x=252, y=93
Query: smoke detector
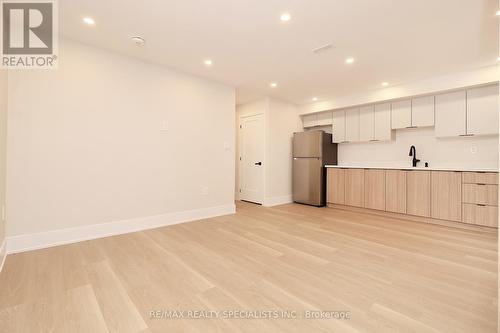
x=138, y=40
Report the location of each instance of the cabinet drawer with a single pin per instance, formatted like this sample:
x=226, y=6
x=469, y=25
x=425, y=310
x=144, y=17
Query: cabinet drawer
x=480, y=194
x=480, y=215
x=480, y=178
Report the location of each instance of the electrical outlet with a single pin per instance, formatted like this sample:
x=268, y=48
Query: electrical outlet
x=473, y=149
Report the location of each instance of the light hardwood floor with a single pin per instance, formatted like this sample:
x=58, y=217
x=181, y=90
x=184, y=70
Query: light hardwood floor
x=392, y=275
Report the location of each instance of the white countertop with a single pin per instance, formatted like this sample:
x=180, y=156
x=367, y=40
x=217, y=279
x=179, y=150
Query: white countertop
x=410, y=168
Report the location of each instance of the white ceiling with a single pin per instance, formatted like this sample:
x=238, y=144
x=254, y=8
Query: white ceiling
x=398, y=41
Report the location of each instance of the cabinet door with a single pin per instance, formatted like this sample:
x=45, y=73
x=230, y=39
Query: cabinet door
x=366, y=123
x=418, y=193
x=375, y=189
x=324, y=119
x=354, y=187
x=482, y=110
x=352, y=125
x=401, y=114
x=335, y=186
x=451, y=114
x=446, y=195
x=310, y=120
x=382, y=116
x=422, y=111
x=338, y=126
x=395, y=191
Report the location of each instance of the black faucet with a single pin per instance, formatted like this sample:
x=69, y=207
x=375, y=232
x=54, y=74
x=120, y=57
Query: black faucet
x=413, y=152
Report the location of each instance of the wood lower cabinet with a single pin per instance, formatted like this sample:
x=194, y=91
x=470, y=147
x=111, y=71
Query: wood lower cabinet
x=480, y=215
x=418, y=193
x=355, y=187
x=482, y=194
x=430, y=196
x=336, y=186
x=395, y=191
x=375, y=189
x=446, y=195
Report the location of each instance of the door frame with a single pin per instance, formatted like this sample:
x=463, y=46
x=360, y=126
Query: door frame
x=264, y=155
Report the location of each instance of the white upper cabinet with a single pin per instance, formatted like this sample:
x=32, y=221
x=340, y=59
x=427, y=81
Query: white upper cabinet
x=309, y=120
x=324, y=119
x=317, y=119
x=401, y=114
x=338, y=127
x=366, y=123
x=422, y=111
x=382, y=117
x=482, y=110
x=352, y=125
x=451, y=114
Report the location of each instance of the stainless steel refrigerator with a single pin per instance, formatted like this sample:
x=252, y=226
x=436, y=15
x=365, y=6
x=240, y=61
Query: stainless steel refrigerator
x=312, y=150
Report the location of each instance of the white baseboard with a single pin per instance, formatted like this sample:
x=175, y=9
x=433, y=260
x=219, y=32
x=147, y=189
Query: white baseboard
x=3, y=253
x=276, y=201
x=41, y=240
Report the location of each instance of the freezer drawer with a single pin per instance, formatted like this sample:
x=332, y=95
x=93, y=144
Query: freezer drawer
x=308, y=181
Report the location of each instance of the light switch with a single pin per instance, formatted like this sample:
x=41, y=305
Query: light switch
x=226, y=146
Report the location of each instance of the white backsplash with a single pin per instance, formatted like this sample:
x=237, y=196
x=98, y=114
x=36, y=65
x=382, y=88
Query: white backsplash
x=460, y=152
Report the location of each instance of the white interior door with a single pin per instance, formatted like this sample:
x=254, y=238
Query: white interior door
x=252, y=133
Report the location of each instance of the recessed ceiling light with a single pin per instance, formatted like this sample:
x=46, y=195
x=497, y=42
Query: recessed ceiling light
x=498, y=58
x=498, y=12
x=89, y=20
x=273, y=84
x=349, y=60
x=385, y=84
x=285, y=17
x=208, y=62
x=138, y=40
x=314, y=99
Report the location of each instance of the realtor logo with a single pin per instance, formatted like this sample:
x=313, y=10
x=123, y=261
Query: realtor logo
x=29, y=34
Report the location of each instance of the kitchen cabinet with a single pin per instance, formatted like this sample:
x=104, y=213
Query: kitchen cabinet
x=480, y=194
x=482, y=110
x=415, y=112
x=446, y=195
x=480, y=215
x=422, y=111
x=309, y=120
x=352, y=125
x=395, y=191
x=451, y=109
x=382, y=118
x=336, y=186
x=418, y=193
x=480, y=178
x=366, y=123
x=480, y=198
x=354, y=187
x=401, y=114
x=324, y=119
x=338, y=127
x=375, y=189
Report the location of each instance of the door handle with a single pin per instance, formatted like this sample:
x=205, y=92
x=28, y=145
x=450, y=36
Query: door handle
x=258, y=163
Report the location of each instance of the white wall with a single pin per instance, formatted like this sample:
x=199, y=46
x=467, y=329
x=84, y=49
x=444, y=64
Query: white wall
x=3, y=129
x=281, y=121
x=449, y=152
x=109, y=138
